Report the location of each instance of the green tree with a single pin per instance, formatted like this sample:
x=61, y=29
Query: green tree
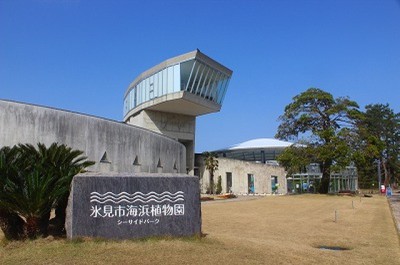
x=321, y=122
x=378, y=131
x=211, y=163
x=37, y=180
x=296, y=158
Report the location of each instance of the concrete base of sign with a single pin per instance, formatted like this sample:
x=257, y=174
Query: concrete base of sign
x=125, y=206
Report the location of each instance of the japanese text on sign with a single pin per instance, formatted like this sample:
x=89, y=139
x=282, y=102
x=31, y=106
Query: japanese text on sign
x=110, y=205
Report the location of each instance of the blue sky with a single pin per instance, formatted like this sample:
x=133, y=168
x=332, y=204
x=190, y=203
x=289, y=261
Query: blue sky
x=82, y=55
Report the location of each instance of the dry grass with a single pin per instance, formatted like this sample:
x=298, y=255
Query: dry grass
x=271, y=230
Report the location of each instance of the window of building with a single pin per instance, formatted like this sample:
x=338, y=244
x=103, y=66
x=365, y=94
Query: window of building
x=250, y=183
x=229, y=182
x=274, y=182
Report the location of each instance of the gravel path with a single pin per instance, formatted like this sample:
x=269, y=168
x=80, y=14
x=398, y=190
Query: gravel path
x=394, y=202
x=239, y=198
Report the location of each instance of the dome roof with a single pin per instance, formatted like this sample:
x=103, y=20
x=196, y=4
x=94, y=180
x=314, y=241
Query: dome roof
x=261, y=143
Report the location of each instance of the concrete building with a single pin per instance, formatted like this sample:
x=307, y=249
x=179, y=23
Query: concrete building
x=167, y=98
x=112, y=145
x=160, y=109
x=158, y=131
x=251, y=167
x=247, y=168
x=243, y=177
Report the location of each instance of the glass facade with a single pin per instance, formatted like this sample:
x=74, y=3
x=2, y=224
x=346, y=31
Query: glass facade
x=192, y=76
x=255, y=155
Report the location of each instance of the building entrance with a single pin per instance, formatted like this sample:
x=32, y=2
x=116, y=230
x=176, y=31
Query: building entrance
x=250, y=180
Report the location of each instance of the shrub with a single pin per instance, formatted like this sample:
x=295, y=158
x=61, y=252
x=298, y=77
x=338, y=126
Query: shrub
x=32, y=182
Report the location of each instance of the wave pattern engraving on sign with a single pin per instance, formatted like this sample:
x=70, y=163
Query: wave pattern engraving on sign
x=136, y=197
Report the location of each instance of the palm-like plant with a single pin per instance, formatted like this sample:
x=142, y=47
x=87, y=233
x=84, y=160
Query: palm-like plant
x=211, y=163
x=10, y=222
x=33, y=199
x=63, y=163
x=40, y=181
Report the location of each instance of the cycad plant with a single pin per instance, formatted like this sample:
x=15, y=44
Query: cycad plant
x=37, y=181
x=10, y=222
x=211, y=163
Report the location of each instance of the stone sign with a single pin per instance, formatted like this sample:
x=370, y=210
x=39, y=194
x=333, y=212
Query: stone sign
x=125, y=206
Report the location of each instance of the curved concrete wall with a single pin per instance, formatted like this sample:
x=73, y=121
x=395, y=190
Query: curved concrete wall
x=122, y=143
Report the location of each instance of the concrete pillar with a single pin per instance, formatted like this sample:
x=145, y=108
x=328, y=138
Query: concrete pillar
x=177, y=126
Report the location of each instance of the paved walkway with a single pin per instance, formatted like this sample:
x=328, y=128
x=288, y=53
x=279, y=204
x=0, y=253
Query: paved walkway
x=394, y=202
x=239, y=198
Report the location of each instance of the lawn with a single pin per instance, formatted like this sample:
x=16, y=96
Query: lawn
x=269, y=230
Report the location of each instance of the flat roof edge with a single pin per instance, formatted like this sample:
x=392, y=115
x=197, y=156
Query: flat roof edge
x=81, y=114
x=196, y=54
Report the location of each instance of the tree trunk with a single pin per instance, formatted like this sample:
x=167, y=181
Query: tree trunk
x=44, y=224
x=59, y=219
x=12, y=225
x=32, y=227
x=324, y=187
x=212, y=183
x=385, y=170
x=326, y=176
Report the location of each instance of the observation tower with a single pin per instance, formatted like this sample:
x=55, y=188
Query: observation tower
x=168, y=97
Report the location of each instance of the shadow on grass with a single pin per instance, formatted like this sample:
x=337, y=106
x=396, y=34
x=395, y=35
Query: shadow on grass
x=82, y=240
x=151, y=239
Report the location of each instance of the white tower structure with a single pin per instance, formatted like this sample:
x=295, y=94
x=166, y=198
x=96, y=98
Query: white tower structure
x=168, y=97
